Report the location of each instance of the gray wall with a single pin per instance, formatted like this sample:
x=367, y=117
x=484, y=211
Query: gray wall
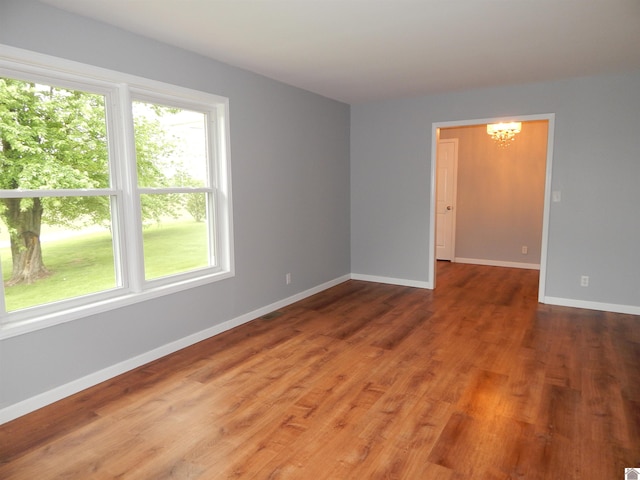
x=500, y=194
x=594, y=230
x=290, y=167
x=291, y=157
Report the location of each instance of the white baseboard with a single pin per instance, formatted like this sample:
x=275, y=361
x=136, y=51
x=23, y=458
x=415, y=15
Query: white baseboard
x=38, y=401
x=392, y=281
x=605, y=307
x=497, y=263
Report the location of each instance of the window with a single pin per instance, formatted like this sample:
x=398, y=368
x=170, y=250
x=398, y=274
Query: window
x=113, y=189
x=173, y=182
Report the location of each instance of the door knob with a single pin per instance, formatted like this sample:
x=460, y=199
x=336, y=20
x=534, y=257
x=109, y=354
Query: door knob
x=449, y=207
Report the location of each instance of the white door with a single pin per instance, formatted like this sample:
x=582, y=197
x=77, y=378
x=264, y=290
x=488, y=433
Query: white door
x=446, y=167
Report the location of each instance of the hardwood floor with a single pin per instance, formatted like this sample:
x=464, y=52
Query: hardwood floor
x=365, y=381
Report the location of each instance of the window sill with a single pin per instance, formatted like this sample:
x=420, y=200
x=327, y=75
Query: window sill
x=36, y=318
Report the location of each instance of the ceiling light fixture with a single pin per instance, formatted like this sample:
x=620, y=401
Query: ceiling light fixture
x=504, y=133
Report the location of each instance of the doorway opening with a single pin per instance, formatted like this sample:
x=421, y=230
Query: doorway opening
x=485, y=191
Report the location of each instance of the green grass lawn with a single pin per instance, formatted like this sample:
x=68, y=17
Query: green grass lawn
x=83, y=264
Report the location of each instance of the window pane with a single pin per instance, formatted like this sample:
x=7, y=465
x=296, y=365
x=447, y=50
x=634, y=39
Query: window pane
x=70, y=241
x=47, y=259
x=179, y=243
x=171, y=146
x=51, y=138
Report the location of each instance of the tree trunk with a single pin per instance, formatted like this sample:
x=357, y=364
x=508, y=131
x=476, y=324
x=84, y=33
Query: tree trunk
x=24, y=231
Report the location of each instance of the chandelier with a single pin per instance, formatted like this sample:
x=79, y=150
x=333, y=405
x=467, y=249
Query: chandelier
x=504, y=133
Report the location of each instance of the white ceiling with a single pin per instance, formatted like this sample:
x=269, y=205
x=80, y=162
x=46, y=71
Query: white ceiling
x=363, y=50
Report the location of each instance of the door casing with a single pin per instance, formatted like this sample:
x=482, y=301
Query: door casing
x=435, y=136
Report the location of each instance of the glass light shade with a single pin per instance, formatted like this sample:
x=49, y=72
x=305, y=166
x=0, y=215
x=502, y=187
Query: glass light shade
x=504, y=132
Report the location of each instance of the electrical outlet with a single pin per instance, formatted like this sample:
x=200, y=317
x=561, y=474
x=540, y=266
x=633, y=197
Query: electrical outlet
x=584, y=281
x=287, y=278
x=525, y=249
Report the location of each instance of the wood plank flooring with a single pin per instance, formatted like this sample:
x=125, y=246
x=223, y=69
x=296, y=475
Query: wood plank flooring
x=365, y=381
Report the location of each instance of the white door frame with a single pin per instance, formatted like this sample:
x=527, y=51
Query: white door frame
x=435, y=134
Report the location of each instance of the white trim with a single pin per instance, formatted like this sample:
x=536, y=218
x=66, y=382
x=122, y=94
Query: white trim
x=41, y=400
x=392, y=281
x=542, y=280
x=131, y=286
x=605, y=307
x=431, y=265
x=435, y=134
x=497, y=263
x=42, y=65
x=104, y=302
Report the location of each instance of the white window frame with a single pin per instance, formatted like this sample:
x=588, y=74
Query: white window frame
x=120, y=90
